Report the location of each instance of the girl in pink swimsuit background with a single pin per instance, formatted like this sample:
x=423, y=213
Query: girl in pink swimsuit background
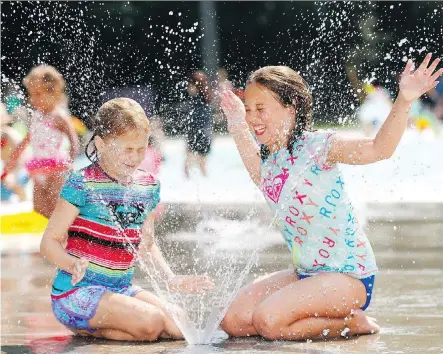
x=49, y=124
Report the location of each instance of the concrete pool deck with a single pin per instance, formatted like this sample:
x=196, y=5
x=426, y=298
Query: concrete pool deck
x=406, y=303
x=404, y=224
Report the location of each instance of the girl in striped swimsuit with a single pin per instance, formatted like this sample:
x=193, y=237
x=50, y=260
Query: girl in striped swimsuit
x=105, y=210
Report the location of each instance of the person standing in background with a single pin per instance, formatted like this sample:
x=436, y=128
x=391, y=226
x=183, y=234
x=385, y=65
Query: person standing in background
x=375, y=108
x=199, y=122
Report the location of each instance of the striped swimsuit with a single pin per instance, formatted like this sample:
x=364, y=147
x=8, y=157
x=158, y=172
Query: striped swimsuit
x=111, y=214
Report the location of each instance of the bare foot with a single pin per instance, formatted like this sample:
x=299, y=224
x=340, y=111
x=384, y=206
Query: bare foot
x=362, y=324
x=82, y=333
x=165, y=335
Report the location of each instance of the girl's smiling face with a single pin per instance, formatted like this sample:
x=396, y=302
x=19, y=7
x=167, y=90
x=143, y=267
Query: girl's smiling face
x=270, y=120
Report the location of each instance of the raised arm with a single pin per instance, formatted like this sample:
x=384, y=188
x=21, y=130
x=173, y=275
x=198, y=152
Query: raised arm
x=413, y=84
x=247, y=147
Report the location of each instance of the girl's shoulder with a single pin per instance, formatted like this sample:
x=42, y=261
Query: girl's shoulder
x=317, y=138
x=318, y=144
x=318, y=134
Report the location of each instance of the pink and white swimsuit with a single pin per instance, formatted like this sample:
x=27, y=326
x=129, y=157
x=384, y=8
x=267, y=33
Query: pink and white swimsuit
x=46, y=141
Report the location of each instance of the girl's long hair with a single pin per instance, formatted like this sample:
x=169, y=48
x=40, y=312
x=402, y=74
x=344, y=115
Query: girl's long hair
x=291, y=90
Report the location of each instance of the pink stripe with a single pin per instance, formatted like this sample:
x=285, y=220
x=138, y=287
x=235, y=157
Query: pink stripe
x=55, y=164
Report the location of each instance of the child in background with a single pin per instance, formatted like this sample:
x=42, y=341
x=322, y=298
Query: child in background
x=375, y=108
x=49, y=124
x=154, y=152
x=152, y=164
x=105, y=212
x=16, y=180
x=297, y=171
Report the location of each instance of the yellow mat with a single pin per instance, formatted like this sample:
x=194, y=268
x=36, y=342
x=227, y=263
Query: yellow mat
x=23, y=223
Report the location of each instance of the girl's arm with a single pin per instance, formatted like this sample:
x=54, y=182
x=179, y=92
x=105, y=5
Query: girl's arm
x=149, y=246
x=51, y=246
x=15, y=155
x=247, y=147
x=181, y=283
x=64, y=124
x=365, y=151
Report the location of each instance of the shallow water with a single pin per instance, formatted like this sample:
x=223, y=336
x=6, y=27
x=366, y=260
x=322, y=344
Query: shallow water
x=407, y=303
x=407, y=298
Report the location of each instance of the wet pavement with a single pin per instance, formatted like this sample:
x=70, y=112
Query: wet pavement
x=407, y=239
x=407, y=304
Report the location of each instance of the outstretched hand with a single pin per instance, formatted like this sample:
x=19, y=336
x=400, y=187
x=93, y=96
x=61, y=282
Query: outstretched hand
x=413, y=84
x=190, y=284
x=234, y=110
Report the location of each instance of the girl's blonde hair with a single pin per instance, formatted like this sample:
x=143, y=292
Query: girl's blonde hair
x=46, y=76
x=114, y=118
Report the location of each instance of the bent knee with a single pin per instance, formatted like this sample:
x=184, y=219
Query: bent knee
x=149, y=329
x=267, y=324
x=237, y=324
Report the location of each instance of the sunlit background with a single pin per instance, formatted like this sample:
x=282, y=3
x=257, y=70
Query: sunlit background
x=148, y=51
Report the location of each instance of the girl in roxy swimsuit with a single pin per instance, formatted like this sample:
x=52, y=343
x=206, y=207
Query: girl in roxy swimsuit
x=297, y=171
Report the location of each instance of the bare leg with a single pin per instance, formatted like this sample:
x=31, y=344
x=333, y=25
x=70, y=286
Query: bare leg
x=127, y=318
x=188, y=162
x=238, y=319
x=53, y=185
x=171, y=329
x=202, y=164
x=325, y=305
x=105, y=333
x=322, y=327
x=40, y=196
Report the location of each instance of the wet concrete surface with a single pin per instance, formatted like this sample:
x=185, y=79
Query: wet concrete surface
x=407, y=303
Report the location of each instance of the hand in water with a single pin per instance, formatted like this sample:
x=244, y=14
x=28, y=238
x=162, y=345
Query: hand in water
x=79, y=270
x=234, y=110
x=190, y=284
x=413, y=84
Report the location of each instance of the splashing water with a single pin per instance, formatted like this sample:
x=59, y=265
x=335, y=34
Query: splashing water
x=198, y=315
